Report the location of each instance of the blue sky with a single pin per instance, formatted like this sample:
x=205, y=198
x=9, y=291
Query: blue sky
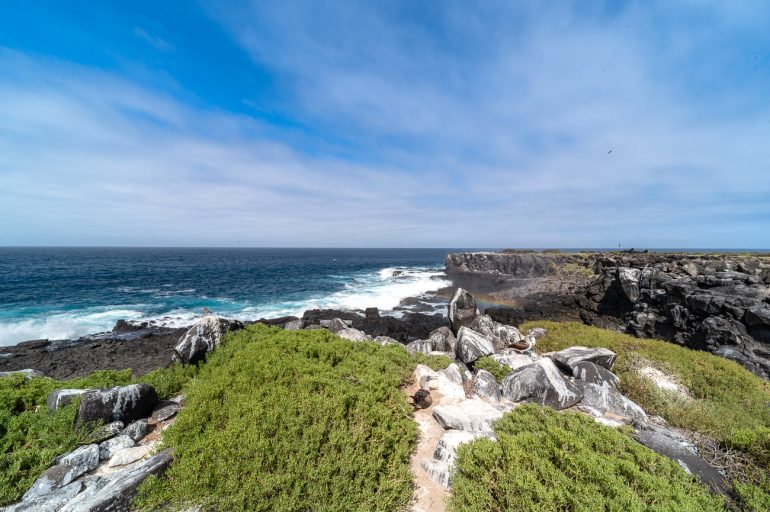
x=385, y=123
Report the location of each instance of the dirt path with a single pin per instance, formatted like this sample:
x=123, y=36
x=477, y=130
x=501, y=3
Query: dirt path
x=428, y=495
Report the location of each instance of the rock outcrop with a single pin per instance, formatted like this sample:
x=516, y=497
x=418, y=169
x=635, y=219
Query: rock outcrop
x=718, y=303
x=714, y=302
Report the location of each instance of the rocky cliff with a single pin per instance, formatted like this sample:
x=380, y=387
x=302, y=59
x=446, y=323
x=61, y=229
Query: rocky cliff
x=714, y=302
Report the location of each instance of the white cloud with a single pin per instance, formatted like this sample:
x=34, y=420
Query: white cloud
x=487, y=129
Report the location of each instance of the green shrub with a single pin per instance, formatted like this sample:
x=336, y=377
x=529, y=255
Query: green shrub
x=546, y=461
x=726, y=402
x=499, y=370
x=169, y=381
x=30, y=437
x=434, y=362
x=292, y=420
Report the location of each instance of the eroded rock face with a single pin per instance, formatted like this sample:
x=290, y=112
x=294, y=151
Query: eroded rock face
x=717, y=303
x=203, y=337
x=472, y=345
x=541, y=383
x=462, y=310
x=503, y=336
x=124, y=403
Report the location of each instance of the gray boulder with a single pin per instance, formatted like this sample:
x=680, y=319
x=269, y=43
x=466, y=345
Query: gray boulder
x=203, y=337
x=591, y=373
x=294, y=325
x=541, y=383
x=503, y=336
x=472, y=345
x=629, y=282
x=443, y=340
x=124, y=403
x=352, y=334
x=471, y=415
x=61, y=397
x=136, y=431
x=164, y=411
x=485, y=386
x=337, y=324
x=105, y=432
x=420, y=347
x=67, y=469
x=537, y=332
x=115, y=491
x=130, y=455
x=601, y=400
x=515, y=360
x=675, y=446
x=569, y=357
x=28, y=373
x=112, y=446
x=462, y=310
x=49, y=502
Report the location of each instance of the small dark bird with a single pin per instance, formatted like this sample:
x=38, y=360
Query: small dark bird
x=610, y=151
x=422, y=399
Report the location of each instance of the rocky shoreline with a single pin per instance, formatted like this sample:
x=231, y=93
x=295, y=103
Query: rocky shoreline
x=718, y=303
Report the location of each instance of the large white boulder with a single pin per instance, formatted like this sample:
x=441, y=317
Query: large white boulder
x=569, y=357
x=471, y=415
x=203, y=337
x=472, y=345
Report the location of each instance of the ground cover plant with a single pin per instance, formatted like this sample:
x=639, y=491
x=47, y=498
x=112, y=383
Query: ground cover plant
x=292, y=420
x=31, y=437
x=549, y=461
x=726, y=402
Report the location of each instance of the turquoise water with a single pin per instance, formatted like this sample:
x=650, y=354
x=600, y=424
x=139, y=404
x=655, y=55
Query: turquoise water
x=63, y=293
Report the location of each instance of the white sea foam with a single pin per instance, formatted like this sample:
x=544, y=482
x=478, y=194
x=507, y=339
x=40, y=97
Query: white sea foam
x=65, y=325
x=384, y=289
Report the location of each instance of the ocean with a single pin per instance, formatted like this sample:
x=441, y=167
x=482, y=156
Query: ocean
x=65, y=293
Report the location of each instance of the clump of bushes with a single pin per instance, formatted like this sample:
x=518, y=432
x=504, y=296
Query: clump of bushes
x=544, y=460
x=292, y=420
x=726, y=402
x=31, y=437
x=499, y=370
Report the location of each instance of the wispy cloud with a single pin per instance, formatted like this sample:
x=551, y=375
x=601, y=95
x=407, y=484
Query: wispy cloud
x=158, y=43
x=438, y=125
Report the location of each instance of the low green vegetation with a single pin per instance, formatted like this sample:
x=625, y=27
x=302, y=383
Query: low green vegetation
x=544, y=461
x=726, y=402
x=292, y=420
x=31, y=437
x=498, y=370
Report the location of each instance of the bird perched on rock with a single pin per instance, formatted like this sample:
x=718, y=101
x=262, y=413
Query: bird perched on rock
x=422, y=399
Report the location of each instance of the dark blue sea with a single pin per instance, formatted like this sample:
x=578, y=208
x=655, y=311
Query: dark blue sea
x=64, y=293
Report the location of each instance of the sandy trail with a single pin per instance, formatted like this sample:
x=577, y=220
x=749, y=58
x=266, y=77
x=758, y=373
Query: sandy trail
x=428, y=495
